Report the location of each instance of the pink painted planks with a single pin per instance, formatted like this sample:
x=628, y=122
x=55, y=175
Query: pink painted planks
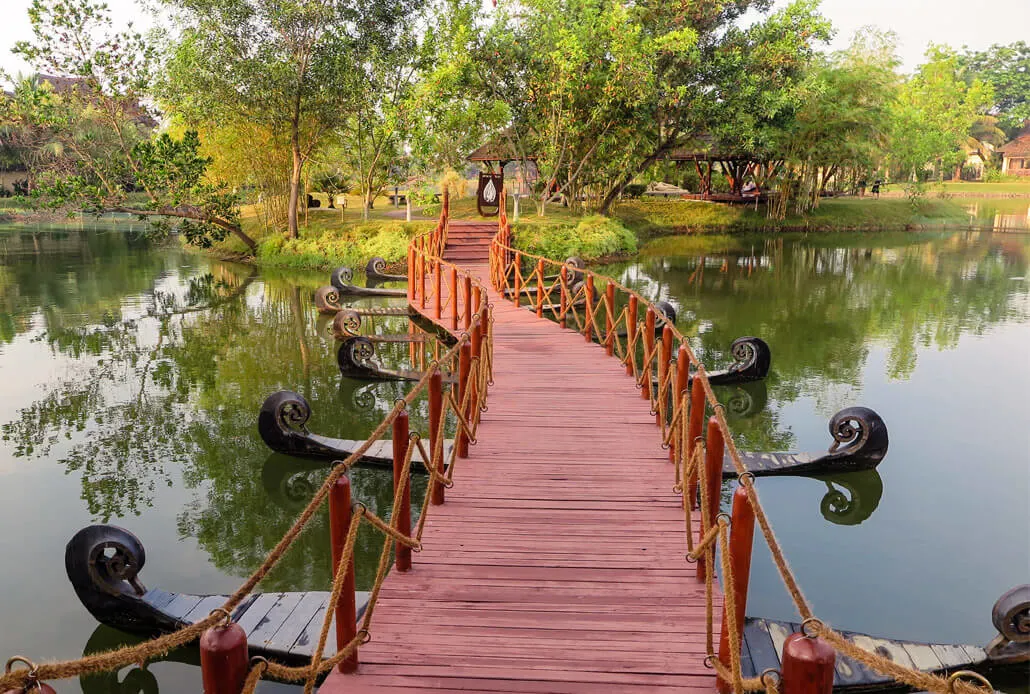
x=557, y=563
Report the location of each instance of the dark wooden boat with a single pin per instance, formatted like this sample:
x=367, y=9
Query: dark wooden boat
x=282, y=424
x=376, y=272
x=103, y=563
x=764, y=638
x=355, y=359
x=751, y=361
x=859, y=443
x=347, y=324
x=342, y=277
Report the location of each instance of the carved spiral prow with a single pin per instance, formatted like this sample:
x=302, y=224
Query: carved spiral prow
x=860, y=435
x=327, y=300
x=751, y=360
x=282, y=420
x=341, y=278
x=376, y=271
x=666, y=311
x=103, y=563
x=355, y=354
x=1011, y=617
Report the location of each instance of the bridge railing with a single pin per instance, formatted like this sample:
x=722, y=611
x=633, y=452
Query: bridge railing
x=458, y=407
x=674, y=381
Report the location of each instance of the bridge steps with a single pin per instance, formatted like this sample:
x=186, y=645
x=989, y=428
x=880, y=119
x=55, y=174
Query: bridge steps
x=557, y=563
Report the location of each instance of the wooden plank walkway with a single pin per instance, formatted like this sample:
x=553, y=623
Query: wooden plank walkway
x=557, y=563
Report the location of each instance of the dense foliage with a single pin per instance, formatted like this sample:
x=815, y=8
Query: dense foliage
x=268, y=101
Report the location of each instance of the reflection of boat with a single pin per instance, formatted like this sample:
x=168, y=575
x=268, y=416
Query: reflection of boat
x=864, y=489
x=764, y=638
x=103, y=563
x=859, y=443
x=745, y=400
x=282, y=424
x=354, y=358
x=138, y=680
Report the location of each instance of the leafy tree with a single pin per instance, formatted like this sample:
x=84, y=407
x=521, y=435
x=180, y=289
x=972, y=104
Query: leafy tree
x=842, y=123
x=91, y=138
x=1007, y=69
x=936, y=109
x=293, y=68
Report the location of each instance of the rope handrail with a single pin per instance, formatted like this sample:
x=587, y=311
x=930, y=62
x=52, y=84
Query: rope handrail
x=687, y=454
x=466, y=409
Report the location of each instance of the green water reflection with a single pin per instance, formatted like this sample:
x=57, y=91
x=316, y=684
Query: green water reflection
x=137, y=373
x=931, y=331
x=133, y=375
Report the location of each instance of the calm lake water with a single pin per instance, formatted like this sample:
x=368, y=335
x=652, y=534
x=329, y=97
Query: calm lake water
x=132, y=378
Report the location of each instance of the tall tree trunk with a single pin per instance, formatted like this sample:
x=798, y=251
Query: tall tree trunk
x=293, y=230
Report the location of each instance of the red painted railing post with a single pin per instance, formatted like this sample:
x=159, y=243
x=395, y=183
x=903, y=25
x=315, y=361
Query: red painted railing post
x=564, y=305
x=422, y=280
x=649, y=321
x=224, y=661
x=540, y=289
x=517, y=269
x=477, y=299
x=631, y=330
x=467, y=308
x=401, y=481
x=806, y=666
x=477, y=353
x=455, y=293
x=437, y=289
x=588, y=332
x=435, y=413
x=696, y=421
x=713, y=479
x=464, y=367
x=679, y=390
x=346, y=610
x=609, y=319
x=664, y=364
x=742, y=536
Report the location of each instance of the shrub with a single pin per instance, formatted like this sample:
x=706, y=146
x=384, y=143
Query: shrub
x=593, y=237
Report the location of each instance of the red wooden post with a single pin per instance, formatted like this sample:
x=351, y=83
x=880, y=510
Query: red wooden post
x=564, y=307
x=631, y=330
x=438, y=290
x=679, y=390
x=467, y=318
x=713, y=474
x=540, y=289
x=806, y=666
x=664, y=364
x=224, y=661
x=477, y=299
x=742, y=535
x=400, y=481
x=588, y=332
x=609, y=319
x=697, y=418
x=517, y=267
x=435, y=412
x=346, y=612
x=454, y=298
x=464, y=365
x=649, y=320
x=421, y=279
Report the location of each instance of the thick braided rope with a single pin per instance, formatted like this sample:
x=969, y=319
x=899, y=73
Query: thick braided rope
x=342, y=568
x=731, y=604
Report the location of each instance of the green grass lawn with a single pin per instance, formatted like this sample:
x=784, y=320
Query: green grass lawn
x=976, y=187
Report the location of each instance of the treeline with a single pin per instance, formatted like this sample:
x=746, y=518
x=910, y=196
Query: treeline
x=271, y=99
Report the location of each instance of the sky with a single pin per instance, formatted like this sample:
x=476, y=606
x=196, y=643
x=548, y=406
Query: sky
x=917, y=22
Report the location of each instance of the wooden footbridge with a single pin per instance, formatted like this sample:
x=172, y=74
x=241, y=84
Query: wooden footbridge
x=557, y=563
x=570, y=539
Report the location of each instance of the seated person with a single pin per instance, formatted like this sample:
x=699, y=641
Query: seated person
x=749, y=189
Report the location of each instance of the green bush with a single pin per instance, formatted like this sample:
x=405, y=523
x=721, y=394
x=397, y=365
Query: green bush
x=593, y=237
x=327, y=248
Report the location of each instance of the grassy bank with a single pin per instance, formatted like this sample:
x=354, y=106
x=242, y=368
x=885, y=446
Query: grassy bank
x=650, y=218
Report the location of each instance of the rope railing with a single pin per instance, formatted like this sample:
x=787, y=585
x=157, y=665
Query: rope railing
x=462, y=405
x=678, y=391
